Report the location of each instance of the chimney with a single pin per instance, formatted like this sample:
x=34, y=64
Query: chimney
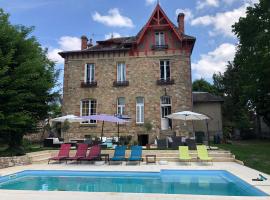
x=84, y=41
x=181, y=23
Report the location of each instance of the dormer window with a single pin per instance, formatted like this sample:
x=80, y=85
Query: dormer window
x=159, y=39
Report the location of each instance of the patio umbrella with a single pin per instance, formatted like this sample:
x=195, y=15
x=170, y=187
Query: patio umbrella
x=69, y=118
x=190, y=116
x=104, y=118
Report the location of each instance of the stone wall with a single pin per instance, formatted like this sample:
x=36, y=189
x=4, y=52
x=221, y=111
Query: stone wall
x=14, y=161
x=213, y=110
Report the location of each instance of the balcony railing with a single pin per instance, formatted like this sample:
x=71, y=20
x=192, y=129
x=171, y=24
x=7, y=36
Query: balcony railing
x=89, y=84
x=120, y=83
x=160, y=47
x=165, y=82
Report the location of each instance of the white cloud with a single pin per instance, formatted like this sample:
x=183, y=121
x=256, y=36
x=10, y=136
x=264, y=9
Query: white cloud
x=186, y=11
x=54, y=56
x=150, y=2
x=213, y=61
x=222, y=22
x=66, y=43
x=207, y=3
x=112, y=35
x=114, y=18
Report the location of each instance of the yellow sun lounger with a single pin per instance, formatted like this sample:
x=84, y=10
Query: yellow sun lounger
x=184, y=154
x=203, y=154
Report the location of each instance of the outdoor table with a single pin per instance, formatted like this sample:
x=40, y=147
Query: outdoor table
x=150, y=159
x=105, y=156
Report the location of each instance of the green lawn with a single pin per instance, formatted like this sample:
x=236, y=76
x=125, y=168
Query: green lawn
x=254, y=153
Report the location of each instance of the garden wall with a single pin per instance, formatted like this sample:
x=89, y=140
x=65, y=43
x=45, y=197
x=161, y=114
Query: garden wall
x=13, y=161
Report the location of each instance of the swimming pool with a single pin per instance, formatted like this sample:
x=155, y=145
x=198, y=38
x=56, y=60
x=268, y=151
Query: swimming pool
x=197, y=182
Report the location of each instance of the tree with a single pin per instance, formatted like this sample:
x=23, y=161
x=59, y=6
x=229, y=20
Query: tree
x=201, y=85
x=235, y=111
x=253, y=58
x=27, y=79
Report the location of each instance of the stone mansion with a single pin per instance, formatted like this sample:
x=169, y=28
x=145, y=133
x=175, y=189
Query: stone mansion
x=146, y=77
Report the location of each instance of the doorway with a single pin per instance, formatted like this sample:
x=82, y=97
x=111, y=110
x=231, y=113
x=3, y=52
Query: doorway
x=166, y=109
x=143, y=140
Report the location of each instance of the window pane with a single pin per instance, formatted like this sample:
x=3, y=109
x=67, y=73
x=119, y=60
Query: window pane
x=121, y=101
x=92, y=76
x=168, y=72
x=139, y=109
x=121, y=71
x=157, y=38
x=161, y=38
x=139, y=100
x=87, y=73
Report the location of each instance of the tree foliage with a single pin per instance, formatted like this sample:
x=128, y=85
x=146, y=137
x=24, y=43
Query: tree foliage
x=252, y=58
x=201, y=85
x=27, y=78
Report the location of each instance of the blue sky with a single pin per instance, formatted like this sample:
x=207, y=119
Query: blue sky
x=59, y=24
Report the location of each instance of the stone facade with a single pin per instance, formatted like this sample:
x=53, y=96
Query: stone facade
x=142, y=73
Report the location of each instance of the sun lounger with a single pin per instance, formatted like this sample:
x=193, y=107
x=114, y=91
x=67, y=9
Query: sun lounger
x=136, y=154
x=81, y=153
x=94, y=154
x=203, y=154
x=184, y=154
x=63, y=153
x=119, y=154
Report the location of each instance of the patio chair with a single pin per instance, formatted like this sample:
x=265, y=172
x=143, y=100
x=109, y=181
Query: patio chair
x=203, y=154
x=136, y=154
x=119, y=154
x=191, y=143
x=94, y=154
x=62, y=154
x=162, y=144
x=184, y=154
x=81, y=153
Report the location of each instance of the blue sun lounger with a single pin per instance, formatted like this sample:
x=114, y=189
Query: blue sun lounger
x=136, y=154
x=119, y=154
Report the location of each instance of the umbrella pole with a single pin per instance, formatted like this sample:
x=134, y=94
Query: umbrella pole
x=208, y=136
x=102, y=130
x=118, y=132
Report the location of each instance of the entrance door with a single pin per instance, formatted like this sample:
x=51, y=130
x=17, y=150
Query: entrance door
x=166, y=109
x=143, y=139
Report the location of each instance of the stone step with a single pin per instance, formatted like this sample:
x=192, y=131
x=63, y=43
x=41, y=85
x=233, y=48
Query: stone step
x=176, y=159
x=194, y=155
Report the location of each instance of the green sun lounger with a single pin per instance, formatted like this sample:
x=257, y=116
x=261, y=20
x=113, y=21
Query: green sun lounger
x=203, y=154
x=184, y=154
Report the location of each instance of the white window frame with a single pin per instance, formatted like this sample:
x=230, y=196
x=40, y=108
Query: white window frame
x=161, y=38
x=121, y=71
x=121, y=107
x=89, y=111
x=165, y=62
x=139, y=111
x=91, y=72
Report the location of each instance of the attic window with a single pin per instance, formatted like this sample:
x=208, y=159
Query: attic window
x=159, y=39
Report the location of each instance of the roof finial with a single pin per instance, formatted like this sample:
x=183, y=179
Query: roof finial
x=157, y=2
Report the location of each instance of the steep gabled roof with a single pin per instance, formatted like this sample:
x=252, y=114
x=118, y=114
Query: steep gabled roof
x=160, y=18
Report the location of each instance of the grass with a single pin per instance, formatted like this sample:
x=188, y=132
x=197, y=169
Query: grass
x=254, y=153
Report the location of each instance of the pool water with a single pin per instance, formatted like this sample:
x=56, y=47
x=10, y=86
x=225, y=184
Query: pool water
x=197, y=182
